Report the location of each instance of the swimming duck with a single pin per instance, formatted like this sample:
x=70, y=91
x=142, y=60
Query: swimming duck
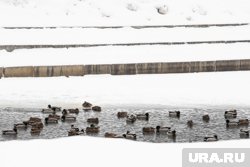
x=142, y=116
x=171, y=133
x=160, y=129
x=86, y=106
x=68, y=118
x=112, y=135
x=174, y=114
x=211, y=138
x=131, y=118
x=93, y=120
x=148, y=130
x=54, y=108
x=49, y=120
x=230, y=114
x=243, y=122
x=38, y=125
x=10, y=132
x=190, y=123
x=64, y=112
x=244, y=133
x=97, y=108
x=205, y=118
x=35, y=119
x=92, y=129
x=75, y=129
x=122, y=114
x=35, y=131
x=74, y=111
x=75, y=133
x=129, y=135
x=21, y=126
x=32, y=120
x=48, y=111
x=231, y=124
x=55, y=116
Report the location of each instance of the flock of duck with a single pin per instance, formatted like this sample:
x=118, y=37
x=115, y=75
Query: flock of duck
x=70, y=115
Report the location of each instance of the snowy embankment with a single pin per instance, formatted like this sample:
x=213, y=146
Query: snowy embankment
x=121, y=12
x=91, y=151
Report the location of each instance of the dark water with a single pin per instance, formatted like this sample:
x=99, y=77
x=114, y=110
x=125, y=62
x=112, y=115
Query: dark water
x=109, y=122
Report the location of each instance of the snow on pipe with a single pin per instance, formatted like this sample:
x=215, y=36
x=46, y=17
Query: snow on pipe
x=138, y=26
x=127, y=69
x=10, y=48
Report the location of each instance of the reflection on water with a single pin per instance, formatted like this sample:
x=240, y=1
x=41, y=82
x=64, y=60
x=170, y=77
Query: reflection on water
x=109, y=122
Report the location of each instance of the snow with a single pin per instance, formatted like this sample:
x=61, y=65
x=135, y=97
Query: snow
x=109, y=36
x=193, y=90
x=91, y=151
x=117, y=12
x=178, y=90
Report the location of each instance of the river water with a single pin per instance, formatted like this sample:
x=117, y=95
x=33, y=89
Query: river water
x=109, y=122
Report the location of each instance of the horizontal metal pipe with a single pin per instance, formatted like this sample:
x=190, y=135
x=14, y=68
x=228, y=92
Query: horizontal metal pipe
x=127, y=69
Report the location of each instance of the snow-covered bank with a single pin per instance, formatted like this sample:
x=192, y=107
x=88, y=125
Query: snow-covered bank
x=80, y=151
x=198, y=89
x=123, y=54
x=121, y=12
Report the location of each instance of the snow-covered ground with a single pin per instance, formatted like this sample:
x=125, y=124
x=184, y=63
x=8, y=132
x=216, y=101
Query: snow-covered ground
x=91, y=151
x=121, y=12
x=203, y=89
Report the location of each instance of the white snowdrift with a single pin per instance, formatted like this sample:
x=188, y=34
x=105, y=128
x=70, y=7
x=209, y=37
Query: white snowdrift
x=178, y=90
x=91, y=151
x=120, y=12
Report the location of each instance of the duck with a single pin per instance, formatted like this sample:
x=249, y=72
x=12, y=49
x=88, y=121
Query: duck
x=160, y=129
x=68, y=118
x=48, y=111
x=205, y=118
x=129, y=135
x=244, y=133
x=92, y=129
x=243, y=122
x=37, y=125
x=55, y=116
x=190, y=123
x=211, y=138
x=174, y=114
x=49, y=120
x=21, y=126
x=93, y=120
x=148, y=130
x=122, y=114
x=142, y=116
x=54, y=108
x=97, y=108
x=112, y=135
x=75, y=129
x=131, y=118
x=75, y=133
x=74, y=111
x=86, y=106
x=35, y=119
x=10, y=132
x=64, y=112
x=231, y=124
x=230, y=114
x=32, y=120
x=172, y=133
x=35, y=131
